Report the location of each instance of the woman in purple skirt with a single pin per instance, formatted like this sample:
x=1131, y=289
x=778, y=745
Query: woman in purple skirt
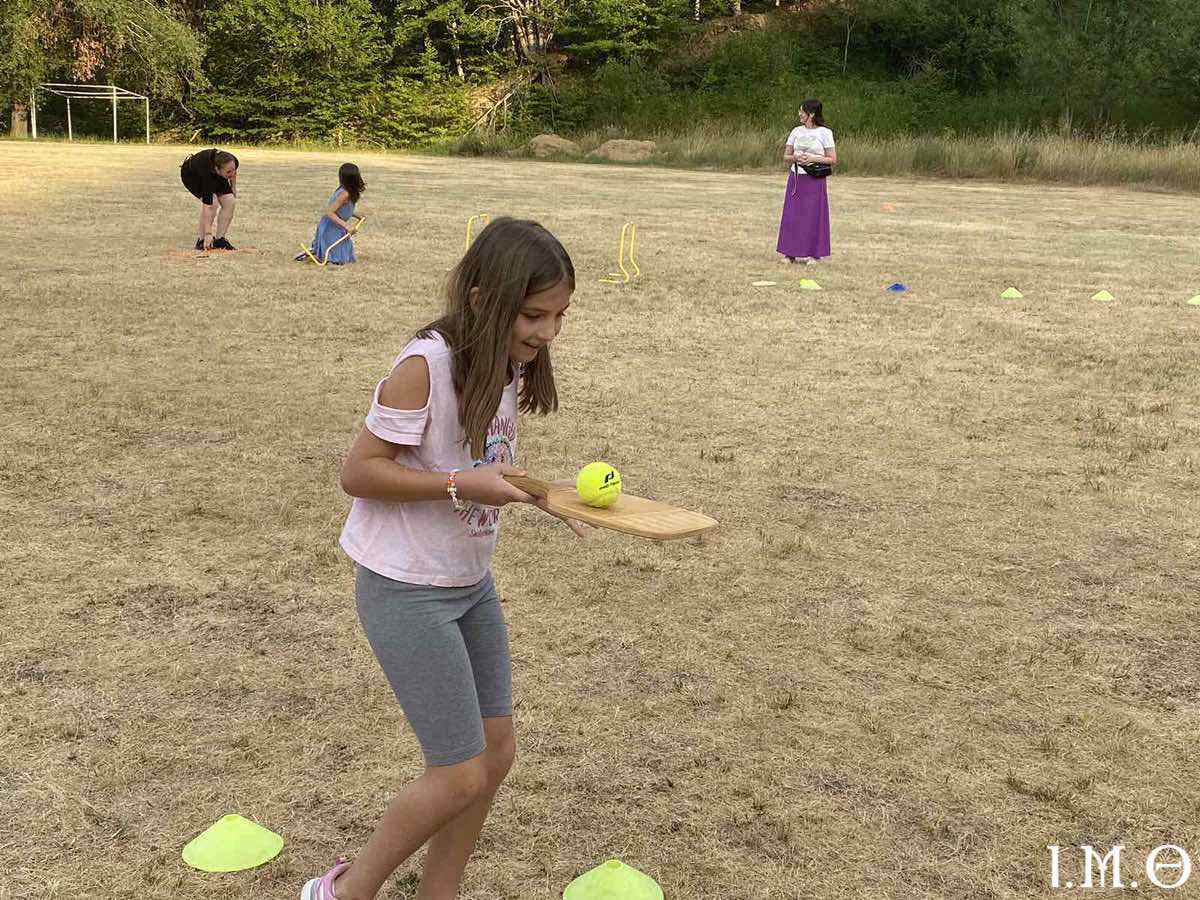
x=804, y=227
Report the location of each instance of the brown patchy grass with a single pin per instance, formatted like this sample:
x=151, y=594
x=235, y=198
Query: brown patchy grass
x=948, y=618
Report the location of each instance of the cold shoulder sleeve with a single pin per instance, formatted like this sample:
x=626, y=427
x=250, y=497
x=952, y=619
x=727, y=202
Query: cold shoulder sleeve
x=396, y=426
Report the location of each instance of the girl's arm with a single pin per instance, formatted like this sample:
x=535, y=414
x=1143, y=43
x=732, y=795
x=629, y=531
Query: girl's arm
x=789, y=153
x=338, y=199
x=372, y=473
x=830, y=157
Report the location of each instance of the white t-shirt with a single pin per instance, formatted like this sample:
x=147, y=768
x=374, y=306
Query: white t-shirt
x=811, y=140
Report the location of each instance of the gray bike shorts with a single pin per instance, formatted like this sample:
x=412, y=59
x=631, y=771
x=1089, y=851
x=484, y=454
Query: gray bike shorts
x=445, y=653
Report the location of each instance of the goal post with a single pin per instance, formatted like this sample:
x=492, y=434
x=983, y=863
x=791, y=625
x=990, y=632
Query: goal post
x=108, y=92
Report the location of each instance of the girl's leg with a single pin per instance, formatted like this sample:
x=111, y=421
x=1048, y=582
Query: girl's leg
x=451, y=847
x=485, y=637
x=227, y=202
x=445, y=653
x=421, y=809
x=208, y=212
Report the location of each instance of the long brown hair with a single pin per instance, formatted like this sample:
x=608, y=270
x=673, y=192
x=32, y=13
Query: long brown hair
x=509, y=260
x=814, y=109
x=351, y=181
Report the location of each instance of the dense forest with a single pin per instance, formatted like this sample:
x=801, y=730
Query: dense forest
x=396, y=73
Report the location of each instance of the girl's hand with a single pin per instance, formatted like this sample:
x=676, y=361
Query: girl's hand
x=575, y=525
x=486, y=485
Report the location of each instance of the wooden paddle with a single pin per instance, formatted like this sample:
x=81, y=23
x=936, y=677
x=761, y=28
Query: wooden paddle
x=629, y=514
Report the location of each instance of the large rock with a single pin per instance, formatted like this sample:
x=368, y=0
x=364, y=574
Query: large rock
x=625, y=151
x=552, y=145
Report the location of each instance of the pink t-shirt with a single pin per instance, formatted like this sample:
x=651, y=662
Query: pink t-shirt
x=427, y=542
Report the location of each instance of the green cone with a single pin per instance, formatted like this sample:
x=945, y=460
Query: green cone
x=1011, y=294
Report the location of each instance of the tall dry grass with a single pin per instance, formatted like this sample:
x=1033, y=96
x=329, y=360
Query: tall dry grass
x=1003, y=156
x=1115, y=158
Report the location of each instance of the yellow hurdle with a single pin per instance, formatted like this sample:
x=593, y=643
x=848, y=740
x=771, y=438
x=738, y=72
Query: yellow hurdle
x=484, y=219
x=628, y=236
x=350, y=231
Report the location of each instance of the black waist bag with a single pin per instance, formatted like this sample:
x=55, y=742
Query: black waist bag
x=817, y=170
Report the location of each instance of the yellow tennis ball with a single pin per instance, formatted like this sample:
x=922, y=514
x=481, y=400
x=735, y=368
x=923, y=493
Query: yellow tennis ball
x=598, y=484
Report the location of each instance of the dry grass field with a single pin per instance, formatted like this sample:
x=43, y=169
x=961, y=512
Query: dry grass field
x=949, y=618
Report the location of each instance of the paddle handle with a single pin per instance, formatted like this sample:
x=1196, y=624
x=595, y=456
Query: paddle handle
x=529, y=484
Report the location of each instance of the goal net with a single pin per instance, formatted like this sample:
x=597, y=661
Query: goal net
x=109, y=93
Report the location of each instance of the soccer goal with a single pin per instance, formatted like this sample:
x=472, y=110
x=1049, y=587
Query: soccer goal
x=109, y=92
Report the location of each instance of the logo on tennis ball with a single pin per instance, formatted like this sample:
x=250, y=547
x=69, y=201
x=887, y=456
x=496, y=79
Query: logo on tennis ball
x=598, y=484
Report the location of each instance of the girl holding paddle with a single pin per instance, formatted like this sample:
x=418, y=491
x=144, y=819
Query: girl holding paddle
x=426, y=474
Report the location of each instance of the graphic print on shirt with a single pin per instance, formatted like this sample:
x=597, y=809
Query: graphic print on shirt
x=500, y=447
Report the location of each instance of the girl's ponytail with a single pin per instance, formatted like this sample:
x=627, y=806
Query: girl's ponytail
x=813, y=108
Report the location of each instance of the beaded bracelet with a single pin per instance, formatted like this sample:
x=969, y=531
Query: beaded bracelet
x=452, y=490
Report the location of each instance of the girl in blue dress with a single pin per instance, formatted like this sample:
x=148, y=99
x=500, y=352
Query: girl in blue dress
x=336, y=221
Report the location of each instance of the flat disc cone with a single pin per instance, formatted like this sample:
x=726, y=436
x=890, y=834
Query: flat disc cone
x=232, y=844
x=613, y=880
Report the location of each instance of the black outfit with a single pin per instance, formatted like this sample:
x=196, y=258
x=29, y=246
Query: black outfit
x=202, y=182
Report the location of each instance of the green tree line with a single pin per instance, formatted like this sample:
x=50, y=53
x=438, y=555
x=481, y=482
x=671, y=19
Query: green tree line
x=404, y=72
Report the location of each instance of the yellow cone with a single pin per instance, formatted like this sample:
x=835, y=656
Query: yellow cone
x=1102, y=296
x=232, y=844
x=613, y=880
